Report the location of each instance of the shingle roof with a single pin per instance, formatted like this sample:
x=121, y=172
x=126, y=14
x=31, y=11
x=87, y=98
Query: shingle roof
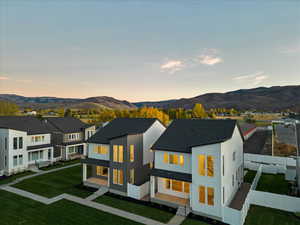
x=120, y=127
x=183, y=134
x=64, y=124
x=29, y=124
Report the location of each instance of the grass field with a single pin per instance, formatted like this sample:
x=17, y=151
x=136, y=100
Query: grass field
x=16, y=210
x=258, y=215
x=6, y=180
x=250, y=176
x=61, y=164
x=136, y=208
x=56, y=183
x=273, y=183
x=190, y=221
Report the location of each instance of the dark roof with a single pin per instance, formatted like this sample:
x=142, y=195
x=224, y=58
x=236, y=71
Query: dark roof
x=65, y=124
x=246, y=128
x=171, y=175
x=183, y=134
x=31, y=125
x=120, y=127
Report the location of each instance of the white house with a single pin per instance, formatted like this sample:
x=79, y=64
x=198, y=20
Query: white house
x=119, y=156
x=198, y=166
x=24, y=142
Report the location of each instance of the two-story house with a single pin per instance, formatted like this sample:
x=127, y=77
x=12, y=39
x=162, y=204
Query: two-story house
x=119, y=156
x=69, y=136
x=198, y=166
x=24, y=142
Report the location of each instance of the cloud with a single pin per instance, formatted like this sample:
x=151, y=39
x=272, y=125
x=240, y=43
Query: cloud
x=255, y=78
x=172, y=66
x=4, y=78
x=210, y=57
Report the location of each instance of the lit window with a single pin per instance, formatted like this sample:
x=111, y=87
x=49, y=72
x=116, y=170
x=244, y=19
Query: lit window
x=131, y=176
x=120, y=153
x=210, y=196
x=117, y=176
x=171, y=158
x=167, y=183
x=115, y=153
x=201, y=165
x=210, y=166
x=120, y=177
x=166, y=158
x=102, y=171
x=186, y=187
x=181, y=160
x=202, y=194
x=177, y=185
x=131, y=153
x=151, y=165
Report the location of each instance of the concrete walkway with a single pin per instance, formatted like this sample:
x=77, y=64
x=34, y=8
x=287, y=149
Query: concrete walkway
x=97, y=194
x=176, y=220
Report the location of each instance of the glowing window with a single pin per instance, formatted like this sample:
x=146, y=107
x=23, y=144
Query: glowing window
x=167, y=183
x=181, y=160
x=186, y=187
x=210, y=166
x=201, y=165
x=166, y=158
x=131, y=153
x=177, y=185
x=202, y=194
x=210, y=196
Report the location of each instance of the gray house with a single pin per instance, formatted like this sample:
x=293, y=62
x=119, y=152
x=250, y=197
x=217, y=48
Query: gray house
x=68, y=135
x=119, y=156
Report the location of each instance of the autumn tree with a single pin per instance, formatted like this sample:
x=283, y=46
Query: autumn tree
x=199, y=111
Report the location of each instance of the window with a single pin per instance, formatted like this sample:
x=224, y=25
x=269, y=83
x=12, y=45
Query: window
x=41, y=154
x=5, y=143
x=210, y=196
x=151, y=165
x=117, y=176
x=15, y=143
x=186, y=187
x=202, y=194
x=101, y=149
x=232, y=180
x=49, y=154
x=32, y=139
x=101, y=171
x=118, y=153
x=181, y=160
x=167, y=183
x=131, y=176
x=131, y=153
x=223, y=195
x=177, y=185
x=20, y=159
x=20, y=142
x=233, y=156
x=223, y=169
x=166, y=158
x=71, y=150
x=201, y=165
x=15, y=160
x=210, y=166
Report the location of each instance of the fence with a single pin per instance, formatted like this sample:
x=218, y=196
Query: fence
x=138, y=192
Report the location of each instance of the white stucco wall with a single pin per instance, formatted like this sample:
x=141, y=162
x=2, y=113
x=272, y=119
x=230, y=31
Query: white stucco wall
x=213, y=182
x=93, y=155
x=149, y=138
x=47, y=140
x=90, y=130
x=235, y=144
x=159, y=162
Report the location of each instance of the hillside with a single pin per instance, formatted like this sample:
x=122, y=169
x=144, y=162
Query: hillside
x=275, y=98
x=75, y=103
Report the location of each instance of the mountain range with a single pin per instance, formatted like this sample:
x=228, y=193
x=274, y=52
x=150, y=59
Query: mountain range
x=276, y=98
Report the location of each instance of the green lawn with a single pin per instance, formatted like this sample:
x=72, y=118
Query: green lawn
x=61, y=164
x=6, y=180
x=258, y=215
x=273, y=183
x=250, y=176
x=56, y=183
x=190, y=221
x=16, y=210
x=136, y=208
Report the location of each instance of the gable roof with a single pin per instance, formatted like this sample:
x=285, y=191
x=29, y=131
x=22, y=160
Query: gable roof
x=29, y=124
x=121, y=127
x=184, y=134
x=64, y=124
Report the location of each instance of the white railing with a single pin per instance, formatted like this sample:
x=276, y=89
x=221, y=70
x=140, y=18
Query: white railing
x=138, y=192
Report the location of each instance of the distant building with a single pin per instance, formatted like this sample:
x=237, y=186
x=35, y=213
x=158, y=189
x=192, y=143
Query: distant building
x=31, y=113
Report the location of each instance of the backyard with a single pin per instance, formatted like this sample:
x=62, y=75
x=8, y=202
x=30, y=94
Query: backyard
x=138, y=208
x=249, y=177
x=274, y=183
x=60, y=164
x=56, y=183
x=6, y=180
x=18, y=210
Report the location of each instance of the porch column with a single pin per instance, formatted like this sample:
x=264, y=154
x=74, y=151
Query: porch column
x=152, y=186
x=84, y=172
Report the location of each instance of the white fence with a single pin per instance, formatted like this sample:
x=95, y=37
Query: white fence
x=271, y=160
x=138, y=192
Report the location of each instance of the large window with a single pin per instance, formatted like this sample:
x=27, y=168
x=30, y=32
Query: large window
x=173, y=159
x=206, y=165
x=177, y=185
x=71, y=150
x=131, y=153
x=210, y=196
x=131, y=176
x=117, y=176
x=202, y=194
x=102, y=171
x=15, y=143
x=5, y=143
x=20, y=142
x=20, y=159
x=15, y=162
x=103, y=150
x=118, y=153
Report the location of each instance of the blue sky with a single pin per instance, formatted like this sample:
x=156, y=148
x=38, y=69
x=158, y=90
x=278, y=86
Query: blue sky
x=146, y=50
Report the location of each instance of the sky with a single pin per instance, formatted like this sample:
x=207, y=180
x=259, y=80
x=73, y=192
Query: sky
x=141, y=50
